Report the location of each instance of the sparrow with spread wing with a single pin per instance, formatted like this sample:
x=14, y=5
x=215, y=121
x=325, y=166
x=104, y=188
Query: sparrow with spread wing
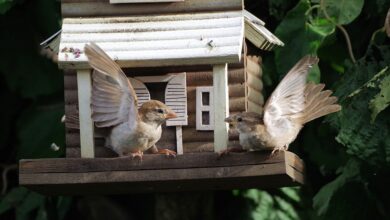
x=114, y=105
x=293, y=103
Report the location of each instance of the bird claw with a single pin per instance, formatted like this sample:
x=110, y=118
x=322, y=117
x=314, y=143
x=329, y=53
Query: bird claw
x=138, y=155
x=223, y=153
x=277, y=150
x=167, y=152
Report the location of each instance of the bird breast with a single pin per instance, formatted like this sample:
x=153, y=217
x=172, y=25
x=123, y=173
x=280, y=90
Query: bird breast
x=124, y=139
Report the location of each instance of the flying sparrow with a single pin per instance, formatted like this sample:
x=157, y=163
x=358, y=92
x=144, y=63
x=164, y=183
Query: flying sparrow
x=293, y=103
x=114, y=105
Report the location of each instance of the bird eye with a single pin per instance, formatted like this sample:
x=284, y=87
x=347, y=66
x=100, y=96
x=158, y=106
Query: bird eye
x=239, y=119
x=160, y=111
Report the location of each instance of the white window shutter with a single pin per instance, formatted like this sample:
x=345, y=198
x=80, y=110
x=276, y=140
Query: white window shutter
x=203, y=108
x=140, y=89
x=176, y=99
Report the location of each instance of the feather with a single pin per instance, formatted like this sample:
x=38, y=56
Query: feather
x=113, y=98
x=288, y=99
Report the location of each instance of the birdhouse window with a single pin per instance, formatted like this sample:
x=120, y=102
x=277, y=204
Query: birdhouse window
x=204, y=109
x=142, y=1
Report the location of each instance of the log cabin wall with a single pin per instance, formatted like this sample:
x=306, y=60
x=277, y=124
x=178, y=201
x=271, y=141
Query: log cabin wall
x=244, y=92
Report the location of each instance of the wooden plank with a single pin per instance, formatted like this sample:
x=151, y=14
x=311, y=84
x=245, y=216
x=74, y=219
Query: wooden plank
x=155, y=42
x=151, y=175
x=82, y=25
x=141, y=1
x=80, y=8
x=269, y=181
x=150, y=162
x=221, y=106
x=86, y=125
x=152, y=58
x=157, y=173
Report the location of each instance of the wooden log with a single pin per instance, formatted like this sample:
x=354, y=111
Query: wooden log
x=255, y=96
x=253, y=65
x=168, y=138
x=254, y=107
x=254, y=82
x=98, y=8
x=70, y=82
x=192, y=118
x=235, y=90
x=236, y=104
x=206, y=78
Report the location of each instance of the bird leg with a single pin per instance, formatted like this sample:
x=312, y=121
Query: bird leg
x=278, y=149
x=167, y=152
x=138, y=154
x=237, y=149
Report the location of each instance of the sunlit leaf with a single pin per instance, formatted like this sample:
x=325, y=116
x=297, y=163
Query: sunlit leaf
x=382, y=99
x=344, y=11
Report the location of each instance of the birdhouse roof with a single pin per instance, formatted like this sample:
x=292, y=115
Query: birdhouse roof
x=162, y=40
x=258, y=34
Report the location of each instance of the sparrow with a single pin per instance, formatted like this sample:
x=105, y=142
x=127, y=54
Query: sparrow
x=292, y=104
x=114, y=106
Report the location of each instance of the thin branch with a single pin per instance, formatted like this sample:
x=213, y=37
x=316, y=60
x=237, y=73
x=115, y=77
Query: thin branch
x=346, y=35
x=6, y=168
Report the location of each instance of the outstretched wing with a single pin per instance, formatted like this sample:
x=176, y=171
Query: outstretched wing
x=288, y=99
x=114, y=100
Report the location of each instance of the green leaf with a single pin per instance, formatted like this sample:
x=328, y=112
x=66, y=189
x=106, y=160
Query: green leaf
x=31, y=202
x=63, y=205
x=382, y=99
x=343, y=11
x=322, y=26
x=359, y=85
x=26, y=72
x=5, y=5
x=13, y=198
x=301, y=38
x=322, y=200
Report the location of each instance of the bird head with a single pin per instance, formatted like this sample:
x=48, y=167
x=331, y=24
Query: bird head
x=245, y=121
x=155, y=111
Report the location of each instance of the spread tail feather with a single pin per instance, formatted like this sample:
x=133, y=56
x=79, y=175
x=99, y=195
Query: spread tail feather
x=318, y=103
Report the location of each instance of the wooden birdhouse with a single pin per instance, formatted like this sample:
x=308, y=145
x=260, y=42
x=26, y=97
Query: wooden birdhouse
x=193, y=56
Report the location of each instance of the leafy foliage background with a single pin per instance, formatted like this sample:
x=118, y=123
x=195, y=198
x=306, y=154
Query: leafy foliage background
x=347, y=154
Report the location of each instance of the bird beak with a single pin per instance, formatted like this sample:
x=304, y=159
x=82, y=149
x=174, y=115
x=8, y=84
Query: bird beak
x=171, y=114
x=229, y=120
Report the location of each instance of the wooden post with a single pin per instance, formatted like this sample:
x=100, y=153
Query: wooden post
x=221, y=106
x=84, y=85
x=179, y=140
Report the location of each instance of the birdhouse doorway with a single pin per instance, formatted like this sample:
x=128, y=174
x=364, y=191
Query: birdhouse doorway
x=171, y=89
